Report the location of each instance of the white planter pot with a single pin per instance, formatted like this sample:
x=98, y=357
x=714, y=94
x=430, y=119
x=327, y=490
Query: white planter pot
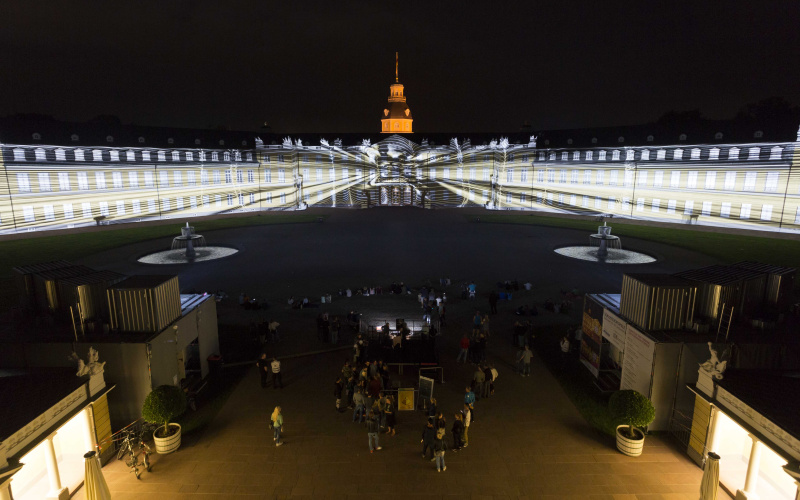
x=627, y=446
x=168, y=444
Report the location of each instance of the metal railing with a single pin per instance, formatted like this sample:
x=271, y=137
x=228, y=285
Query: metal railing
x=680, y=427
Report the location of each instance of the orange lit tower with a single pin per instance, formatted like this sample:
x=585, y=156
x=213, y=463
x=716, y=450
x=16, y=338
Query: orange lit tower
x=396, y=117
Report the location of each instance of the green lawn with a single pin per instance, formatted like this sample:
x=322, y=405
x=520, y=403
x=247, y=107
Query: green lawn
x=725, y=247
x=80, y=244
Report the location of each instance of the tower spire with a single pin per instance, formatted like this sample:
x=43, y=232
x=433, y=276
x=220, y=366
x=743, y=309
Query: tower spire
x=396, y=63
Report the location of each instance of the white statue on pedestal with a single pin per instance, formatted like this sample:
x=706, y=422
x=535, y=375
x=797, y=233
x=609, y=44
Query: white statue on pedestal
x=714, y=366
x=93, y=366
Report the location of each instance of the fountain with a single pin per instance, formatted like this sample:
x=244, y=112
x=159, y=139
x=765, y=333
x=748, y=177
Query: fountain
x=603, y=240
x=186, y=249
x=605, y=248
x=188, y=239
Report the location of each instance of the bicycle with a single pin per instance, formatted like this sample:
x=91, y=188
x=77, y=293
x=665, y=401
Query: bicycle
x=133, y=444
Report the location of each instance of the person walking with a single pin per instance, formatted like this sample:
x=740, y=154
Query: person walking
x=464, y=349
x=276, y=373
x=458, y=431
x=526, y=361
x=263, y=369
x=277, y=425
x=439, y=447
x=467, y=418
x=373, y=426
x=428, y=435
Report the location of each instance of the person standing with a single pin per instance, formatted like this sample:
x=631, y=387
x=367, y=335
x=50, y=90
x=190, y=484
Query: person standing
x=432, y=410
x=469, y=400
x=276, y=373
x=360, y=406
x=493, y=301
x=373, y=426
x=263, y=369
x=464, y=349
x=458, y=431
x=487, y=384
x=526, y=362
x=428, y=435
x=338, y=388
x=277, y=425
x=439, y=447
x=485, y=325
x=273, y=331
x=476, y=323
x=390, y=415
x=467, y=422
x=478, y=379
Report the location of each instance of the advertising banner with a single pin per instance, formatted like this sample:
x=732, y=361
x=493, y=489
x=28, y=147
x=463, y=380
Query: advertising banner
x=614, y=329
x=592, y=339
x=405, y=399
x=637, y=365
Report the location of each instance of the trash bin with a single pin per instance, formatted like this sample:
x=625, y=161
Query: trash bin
x=214, y=364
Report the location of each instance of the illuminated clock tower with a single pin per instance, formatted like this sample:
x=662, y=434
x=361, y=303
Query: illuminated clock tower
x=396, y=117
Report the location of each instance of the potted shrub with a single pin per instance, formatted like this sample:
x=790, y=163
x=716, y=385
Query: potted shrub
x=160, y=406
x=631, y=411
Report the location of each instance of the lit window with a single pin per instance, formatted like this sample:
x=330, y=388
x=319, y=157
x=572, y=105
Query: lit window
x=83, y=181
x=645, y=155
x=49, y=213
x=68, y=211
x=711, y=180
x=40, y=154
x=661, y=154
x=601, y=155
x=725, y=210
x=658, y=178
x=675, y=180
x=692, y=182
x=750, y=181
x=677, y=154
x=615, y=155
x=771, y=185
x=44, y=182
x=766, y=212
x=775, y=153
x=671, y=206
x=86, y=208
x=642, y=178
x=744, y=212
x=688, y=207
x=754, y=153
x=639, y=204
x=730, y=181
x=713, y=154
x=656, y=205
x=733, y=154
x=61, y=155
x=63, y=181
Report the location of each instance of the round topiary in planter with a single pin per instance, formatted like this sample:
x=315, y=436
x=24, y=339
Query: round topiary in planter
x=630, y=410
x=163, y=404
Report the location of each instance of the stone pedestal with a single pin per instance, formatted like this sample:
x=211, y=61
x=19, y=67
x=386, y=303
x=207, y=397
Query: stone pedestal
x=705, y=383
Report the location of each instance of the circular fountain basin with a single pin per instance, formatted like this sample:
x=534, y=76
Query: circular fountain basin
x=615, y=256
x=172, y=257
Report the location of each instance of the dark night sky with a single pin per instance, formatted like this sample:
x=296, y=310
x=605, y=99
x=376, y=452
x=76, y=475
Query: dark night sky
x=326, y=66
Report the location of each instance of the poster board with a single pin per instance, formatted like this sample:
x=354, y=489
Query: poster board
x=592, y=340
x=425, y=388
x=637, y=366
x=614, y=329
x=405, y=399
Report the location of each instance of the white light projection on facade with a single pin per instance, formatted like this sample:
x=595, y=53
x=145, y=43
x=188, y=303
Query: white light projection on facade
x=755, y=185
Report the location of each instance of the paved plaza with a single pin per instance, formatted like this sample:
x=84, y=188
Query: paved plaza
x=528, y=440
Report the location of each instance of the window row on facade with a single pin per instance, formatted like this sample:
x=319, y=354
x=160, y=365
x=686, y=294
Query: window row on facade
x=732, y=153
x=130, y=155
x=141, y=207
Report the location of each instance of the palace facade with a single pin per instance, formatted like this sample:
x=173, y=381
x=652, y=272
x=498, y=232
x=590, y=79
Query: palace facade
x=60, y=184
